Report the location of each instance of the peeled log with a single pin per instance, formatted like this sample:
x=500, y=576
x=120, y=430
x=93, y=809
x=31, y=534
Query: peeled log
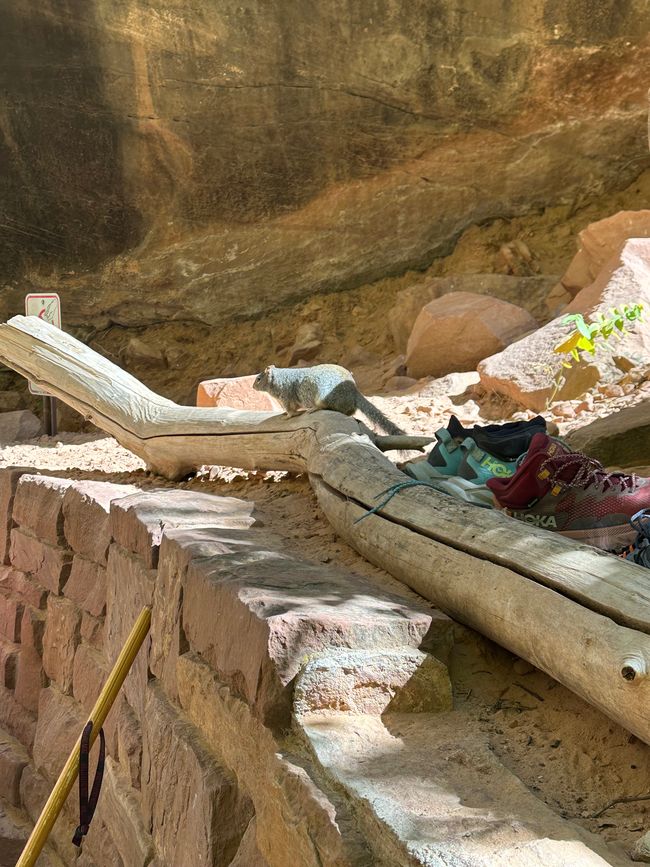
x=578, y=614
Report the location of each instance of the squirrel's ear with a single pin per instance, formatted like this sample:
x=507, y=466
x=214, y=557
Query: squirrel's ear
x=269, y=368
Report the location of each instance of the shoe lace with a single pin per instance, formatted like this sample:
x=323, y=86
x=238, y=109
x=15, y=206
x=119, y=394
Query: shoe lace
x=579, y=471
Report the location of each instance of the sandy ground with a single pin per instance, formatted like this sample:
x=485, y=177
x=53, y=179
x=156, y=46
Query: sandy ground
x=569, y=754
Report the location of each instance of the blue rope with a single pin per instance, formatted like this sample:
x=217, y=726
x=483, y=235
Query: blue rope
x=394, y=489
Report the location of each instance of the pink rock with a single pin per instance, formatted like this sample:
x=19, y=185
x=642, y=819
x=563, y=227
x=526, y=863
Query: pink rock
x=599, y=242
x=455, y=332
x=525, y=370
x=235, y=393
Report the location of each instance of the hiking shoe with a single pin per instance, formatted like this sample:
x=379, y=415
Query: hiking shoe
x=463, y=489
x=569, y=493
x=639, y=550
x=445, y=456
x=506, y=442
x=478, y=466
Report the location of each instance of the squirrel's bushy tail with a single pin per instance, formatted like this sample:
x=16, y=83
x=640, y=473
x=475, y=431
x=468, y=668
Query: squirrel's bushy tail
x=376, y=415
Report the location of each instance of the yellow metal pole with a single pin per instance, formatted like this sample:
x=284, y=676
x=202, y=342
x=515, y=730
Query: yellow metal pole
x=68, y=775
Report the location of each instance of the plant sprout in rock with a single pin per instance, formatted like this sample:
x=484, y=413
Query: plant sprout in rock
x=591, y=337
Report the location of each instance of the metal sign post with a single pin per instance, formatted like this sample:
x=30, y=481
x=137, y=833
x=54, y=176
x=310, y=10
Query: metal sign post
x=47, y=306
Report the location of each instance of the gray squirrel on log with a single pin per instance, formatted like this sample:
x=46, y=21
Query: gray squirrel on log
x=323, y=386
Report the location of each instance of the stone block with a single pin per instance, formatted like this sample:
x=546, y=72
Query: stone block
x=195, y=811
x=62, y=636
x=235, y=392
x=99, y=849
x=248, y=854
x=255, y=612
x=177, y=549
x=19, y=426
x=373, y=682
x=92, y=630
x=87, y=519
x=296, y=821
x=129, y=587
x=8, y=483
x=26, y=588
x=34, y=792
x=138, y=521
x=32, y=628
x=60, y=722
x=38, y=506
x=86, y=586
x=48, y=565
x=30, y=675
x=8, y=663
x=13, y=758
x=11, y=614
x=129, y=740
x=120, y=810
x=30, y=679
x=90, y=673
x=16, y=720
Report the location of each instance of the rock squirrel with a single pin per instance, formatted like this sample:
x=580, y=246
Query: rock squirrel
x=324, y=386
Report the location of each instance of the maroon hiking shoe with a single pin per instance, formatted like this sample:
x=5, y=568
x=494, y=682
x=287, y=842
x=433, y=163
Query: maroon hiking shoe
x=572, y=494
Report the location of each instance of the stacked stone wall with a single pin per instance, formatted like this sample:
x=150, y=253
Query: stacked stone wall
x=209, y=757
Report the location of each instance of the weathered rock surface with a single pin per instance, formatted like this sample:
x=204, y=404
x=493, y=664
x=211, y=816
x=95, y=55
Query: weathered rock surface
x=264, y=156
x=416, y=780
x=186, y=795
x=314, y=835
x=13, y=758
x=600, y=242
x=254, y=613
x=60, y=722
x=455, y=332
x=621, y=439
x=373, y=682
x=525, y=370
x=62, y=636
x=236, y=392
x=48, y=565
x=120, y=809
x=16, y=720
x=129, y=587
x=138, y=522
x=38, y=506
x=19, y=426
x=8, y=483
x=86, y=586
x=527, y=292
x=87, y=520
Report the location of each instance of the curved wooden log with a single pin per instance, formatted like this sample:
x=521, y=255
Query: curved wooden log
x=580, y=615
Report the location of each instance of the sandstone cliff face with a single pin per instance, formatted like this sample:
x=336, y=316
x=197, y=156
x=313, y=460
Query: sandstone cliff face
x=203, y=161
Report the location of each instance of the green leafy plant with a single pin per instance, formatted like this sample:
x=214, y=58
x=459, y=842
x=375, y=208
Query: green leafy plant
x=592, y=338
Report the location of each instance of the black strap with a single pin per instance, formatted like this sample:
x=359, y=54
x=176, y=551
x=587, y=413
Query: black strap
x=87, y=805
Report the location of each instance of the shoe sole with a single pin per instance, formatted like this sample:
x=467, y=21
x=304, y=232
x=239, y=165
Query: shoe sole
x=606, y=538
x=456, y=486
x=477, y=495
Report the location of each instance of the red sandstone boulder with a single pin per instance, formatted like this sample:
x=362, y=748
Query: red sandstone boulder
x=599, y=242
x=235, y=393
x=455, y=332
x=527, y=292
x=524, y=371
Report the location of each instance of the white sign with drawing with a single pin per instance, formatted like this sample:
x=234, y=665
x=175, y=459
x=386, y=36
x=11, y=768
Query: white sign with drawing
x=47, y=306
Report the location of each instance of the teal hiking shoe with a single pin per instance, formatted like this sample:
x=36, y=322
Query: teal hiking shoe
x=478, y=465
x=445, y=457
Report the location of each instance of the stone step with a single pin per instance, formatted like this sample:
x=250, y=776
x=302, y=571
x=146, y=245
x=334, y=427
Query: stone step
x=426, y=789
